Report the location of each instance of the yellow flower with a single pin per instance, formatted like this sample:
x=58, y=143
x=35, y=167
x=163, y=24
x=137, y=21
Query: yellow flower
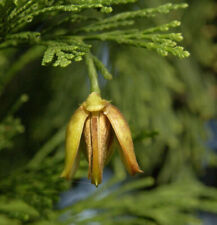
x=96, y=119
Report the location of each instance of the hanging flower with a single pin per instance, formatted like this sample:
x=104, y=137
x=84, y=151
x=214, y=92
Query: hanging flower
x=96, y=119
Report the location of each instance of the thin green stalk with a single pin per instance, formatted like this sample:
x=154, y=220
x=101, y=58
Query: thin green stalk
x=92, y=73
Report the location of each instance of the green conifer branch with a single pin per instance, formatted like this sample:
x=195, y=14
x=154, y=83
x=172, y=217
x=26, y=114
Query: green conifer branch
x=150, y=12
x=63, y=52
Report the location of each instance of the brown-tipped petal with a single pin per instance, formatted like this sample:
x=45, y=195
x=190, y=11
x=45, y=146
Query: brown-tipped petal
x=110, y=147
x=96, y=167
x=123, y=134
x=88, y=141
x=104, y=137
x=97, y=136
x=73, y=136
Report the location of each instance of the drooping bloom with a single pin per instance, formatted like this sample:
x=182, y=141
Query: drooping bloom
x=98, y=120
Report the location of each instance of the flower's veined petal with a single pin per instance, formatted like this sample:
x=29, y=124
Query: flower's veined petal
x=97, y=137
x=110, y=146
x=123, y=135
x=105, y=138
x=74, y=166
x=96, y=164
x=73, y=136
x=88, y=141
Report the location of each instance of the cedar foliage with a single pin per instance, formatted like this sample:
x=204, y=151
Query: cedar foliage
x=166, y=101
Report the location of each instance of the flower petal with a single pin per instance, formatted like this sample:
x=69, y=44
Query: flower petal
x=97, y=132
x=73, y=136
x=74, y=166
x=123, y=134
x=96, y=164
x=89, y=151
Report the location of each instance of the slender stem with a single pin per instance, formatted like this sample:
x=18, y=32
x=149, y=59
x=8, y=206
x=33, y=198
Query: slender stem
x=92, y=73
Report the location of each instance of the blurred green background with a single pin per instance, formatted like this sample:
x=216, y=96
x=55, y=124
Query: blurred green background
x=168, y=103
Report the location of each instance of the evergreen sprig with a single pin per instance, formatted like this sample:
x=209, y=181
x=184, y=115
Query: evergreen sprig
x=162, y=43
x=15, y=30
x=64, y=52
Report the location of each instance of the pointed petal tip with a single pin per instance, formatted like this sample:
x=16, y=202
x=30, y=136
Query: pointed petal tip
x=65, y=175
x=140, y=171
x=135, y=171
x=133, y=168
x=96, y=182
